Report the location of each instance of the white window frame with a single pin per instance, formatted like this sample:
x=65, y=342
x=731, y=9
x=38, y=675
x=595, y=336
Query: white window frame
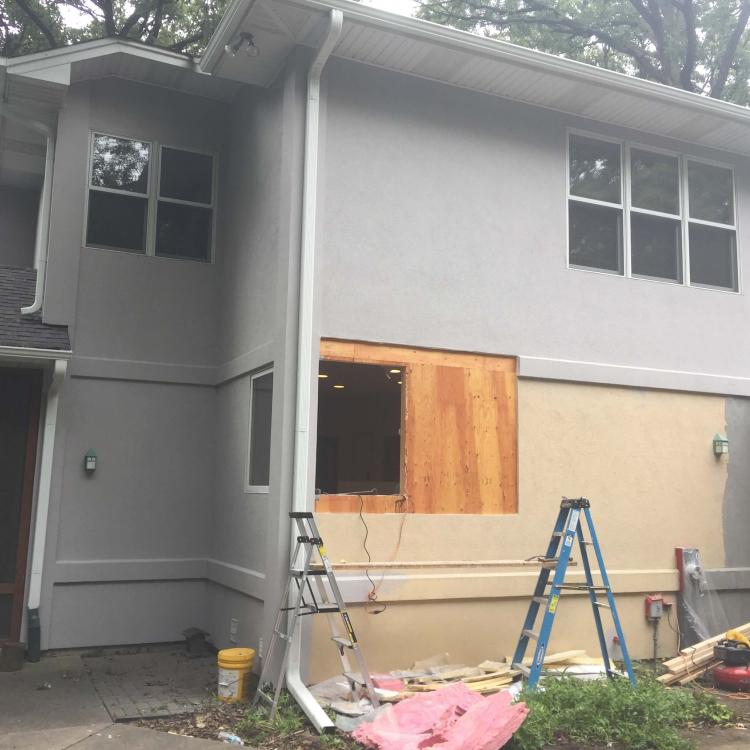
x=254, y=489
x=152, y=197
x=627, y=209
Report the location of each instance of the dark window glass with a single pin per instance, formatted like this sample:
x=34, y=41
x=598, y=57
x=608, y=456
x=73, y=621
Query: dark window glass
x=655, y=245
x=260, y=430
x=186, y=176
x=710, y=191
x=713, y=256
x=595, y=169
x=595, y=236
x=6, y=610
x=654, y=180
x=120, y=164
x=116, y=221
x=183, y=231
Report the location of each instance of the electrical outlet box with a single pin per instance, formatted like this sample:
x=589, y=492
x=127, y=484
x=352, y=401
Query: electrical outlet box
x=234, y=626
x=654, y=606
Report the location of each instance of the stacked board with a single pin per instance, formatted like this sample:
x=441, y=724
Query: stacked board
x=696, y=660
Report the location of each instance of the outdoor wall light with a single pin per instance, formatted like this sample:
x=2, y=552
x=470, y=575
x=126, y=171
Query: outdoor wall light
x=721, y=444
x=89, y=462
x=243, y=42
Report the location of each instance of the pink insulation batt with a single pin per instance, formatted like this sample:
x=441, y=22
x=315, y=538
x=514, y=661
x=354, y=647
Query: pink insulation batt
x=452, y=718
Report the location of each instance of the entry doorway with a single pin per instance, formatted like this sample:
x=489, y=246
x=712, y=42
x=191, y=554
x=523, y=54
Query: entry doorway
x=20, y=393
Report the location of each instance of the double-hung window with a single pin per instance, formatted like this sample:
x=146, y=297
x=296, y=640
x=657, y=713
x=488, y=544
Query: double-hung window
x=150, y=199
x=645, y=213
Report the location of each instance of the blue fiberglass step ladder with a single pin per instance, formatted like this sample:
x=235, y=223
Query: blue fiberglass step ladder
x=310, y=562
x=568, y=527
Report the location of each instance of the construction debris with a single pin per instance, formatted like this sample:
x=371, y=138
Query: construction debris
x=695, y=661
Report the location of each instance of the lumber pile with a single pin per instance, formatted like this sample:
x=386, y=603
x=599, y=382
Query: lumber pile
x=694, y=661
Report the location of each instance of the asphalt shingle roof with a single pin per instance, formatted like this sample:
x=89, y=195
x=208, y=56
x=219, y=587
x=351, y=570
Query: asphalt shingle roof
x=16, y=291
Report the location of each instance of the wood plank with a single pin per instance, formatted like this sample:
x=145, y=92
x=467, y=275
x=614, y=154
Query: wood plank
x=405, y=564
x=392, y=354
x=461, y=440
x=367, y=504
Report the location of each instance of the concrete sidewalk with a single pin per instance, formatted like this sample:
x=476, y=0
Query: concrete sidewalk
x=53, y=705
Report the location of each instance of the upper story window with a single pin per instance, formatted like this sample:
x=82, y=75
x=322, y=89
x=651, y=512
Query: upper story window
x=650, y=214
x=150, y=199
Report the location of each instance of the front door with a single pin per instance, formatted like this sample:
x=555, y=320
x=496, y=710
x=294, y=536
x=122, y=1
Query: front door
x=19, y=419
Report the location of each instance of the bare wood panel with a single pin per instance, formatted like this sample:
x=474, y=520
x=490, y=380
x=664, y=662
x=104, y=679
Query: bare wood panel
x=460, y=441
x=367, y=503
x=388, y=354
x=459, y=431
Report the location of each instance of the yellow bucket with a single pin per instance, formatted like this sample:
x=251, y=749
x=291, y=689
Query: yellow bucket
x=234, y=668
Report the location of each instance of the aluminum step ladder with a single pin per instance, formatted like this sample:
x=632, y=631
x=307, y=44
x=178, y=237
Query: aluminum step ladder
x=568, y=528
x=310, y=563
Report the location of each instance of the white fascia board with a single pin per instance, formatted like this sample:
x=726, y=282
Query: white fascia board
x=444, y=36
x=40, y=64
x=17, y=353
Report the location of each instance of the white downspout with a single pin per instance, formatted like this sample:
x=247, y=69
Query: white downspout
x=45, y=483
x=41, y=242
x=301, y=494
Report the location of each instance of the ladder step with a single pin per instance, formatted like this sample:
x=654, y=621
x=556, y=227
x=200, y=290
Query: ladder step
x=602, y=605
x=298, y=514
x=523, y=669
x=540, y=600
x=531, y=634
x=345, y=642
x=311, y=572
x=582, y=587
x=557, y=533
x=328, y=608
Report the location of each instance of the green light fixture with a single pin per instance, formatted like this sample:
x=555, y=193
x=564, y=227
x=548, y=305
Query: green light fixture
x=721, y=444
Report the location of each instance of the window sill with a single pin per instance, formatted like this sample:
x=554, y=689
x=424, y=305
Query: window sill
x=361, y=503
x=256, y=490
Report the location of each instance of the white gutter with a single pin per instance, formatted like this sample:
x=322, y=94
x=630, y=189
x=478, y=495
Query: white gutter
x=45, y=483
x=301, y=491
x=41, y=242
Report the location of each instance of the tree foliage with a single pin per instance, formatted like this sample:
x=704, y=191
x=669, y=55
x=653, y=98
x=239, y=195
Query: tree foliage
x=32, y=25
x=697, y=45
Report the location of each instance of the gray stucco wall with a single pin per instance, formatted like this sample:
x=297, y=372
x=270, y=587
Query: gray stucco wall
x=444, y=225
x=18, y=212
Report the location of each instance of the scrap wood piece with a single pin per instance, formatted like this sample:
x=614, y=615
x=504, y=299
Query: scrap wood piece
x=744, y=629
x=492, y=666
x=557, y=658
x=399, y=564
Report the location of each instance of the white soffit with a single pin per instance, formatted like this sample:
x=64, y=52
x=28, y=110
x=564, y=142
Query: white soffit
x=438, y=53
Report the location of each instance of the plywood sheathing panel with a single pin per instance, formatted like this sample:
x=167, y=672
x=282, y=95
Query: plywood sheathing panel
x=459, y=436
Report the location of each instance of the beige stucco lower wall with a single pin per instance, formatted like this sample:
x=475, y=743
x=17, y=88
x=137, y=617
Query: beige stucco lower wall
x=644, y=459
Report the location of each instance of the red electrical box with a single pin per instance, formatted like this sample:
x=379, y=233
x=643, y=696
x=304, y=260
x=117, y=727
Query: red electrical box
x=654, y=606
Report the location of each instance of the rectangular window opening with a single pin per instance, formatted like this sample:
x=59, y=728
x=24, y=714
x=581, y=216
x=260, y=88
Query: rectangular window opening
x=150, y=199
x=259, y=452
x=359, y=429
x=661, y=216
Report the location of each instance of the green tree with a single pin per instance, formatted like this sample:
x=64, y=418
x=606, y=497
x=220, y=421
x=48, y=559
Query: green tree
x=697, y=45
x=33, y=25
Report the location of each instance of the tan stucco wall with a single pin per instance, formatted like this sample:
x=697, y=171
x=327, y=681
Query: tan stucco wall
x=644, y=459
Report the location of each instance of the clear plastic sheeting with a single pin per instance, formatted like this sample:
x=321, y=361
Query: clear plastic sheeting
x=702, y=615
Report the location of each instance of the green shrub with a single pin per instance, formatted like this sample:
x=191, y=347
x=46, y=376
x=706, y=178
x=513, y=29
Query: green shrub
x=600, y=712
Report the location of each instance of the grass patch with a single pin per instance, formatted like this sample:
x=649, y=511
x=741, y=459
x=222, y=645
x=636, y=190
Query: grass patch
x=599, y=712
x=289, y=730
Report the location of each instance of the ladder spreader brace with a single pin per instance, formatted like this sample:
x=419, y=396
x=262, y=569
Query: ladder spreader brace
x=568, y=528
x=302, y=600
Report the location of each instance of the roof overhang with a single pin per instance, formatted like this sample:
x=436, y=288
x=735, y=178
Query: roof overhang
x=427, y=50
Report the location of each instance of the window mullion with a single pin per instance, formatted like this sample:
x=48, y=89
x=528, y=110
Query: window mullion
x=153, y=193
x=625, y=199
x=685, y=211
